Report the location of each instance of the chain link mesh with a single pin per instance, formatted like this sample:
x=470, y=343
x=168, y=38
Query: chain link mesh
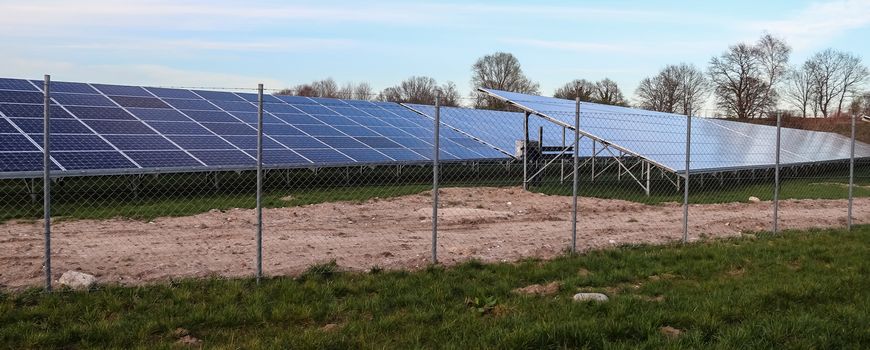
x=506, y=180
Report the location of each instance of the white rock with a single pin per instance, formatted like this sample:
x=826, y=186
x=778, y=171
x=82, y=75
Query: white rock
x=77, y=280
x=590, y=297
x=754, y=199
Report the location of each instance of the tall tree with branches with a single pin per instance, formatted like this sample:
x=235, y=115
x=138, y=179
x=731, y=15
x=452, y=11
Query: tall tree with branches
x=675, y=89
x=500, y=71
x=739, y=82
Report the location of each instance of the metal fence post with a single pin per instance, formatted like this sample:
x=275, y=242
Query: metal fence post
x=851, y=175
x=686, y=182
x=562, y=160
x=776, y=176
x=526, y=152
x=259, y=182
x=574, y=185
x=46, y=177
x=435, y=157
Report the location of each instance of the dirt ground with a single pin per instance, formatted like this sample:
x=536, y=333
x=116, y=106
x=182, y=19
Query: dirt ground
x=490, y=224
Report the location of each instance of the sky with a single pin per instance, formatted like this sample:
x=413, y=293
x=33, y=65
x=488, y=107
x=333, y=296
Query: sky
x=237, y=44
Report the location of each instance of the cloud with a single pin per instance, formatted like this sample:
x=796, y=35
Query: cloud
x=818, y=23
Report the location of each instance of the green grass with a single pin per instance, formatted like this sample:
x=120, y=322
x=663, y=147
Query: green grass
x=797, y=290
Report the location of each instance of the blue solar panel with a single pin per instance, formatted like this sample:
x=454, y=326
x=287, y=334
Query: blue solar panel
x=80, y=100
x=16, y=84
x=118, y=127
x=140, y=142
x=211, y=116
x=21, y=97
x=172, y=93
x=236, y=106
x=152, y=123
x=225, y=158
x=16, y=142
x=92, y=160
x=201, y=142
x=140, y=102
x=278, y=157
x=325, y=156
x=199, y=104
x=120, y=90
x=32, y=111
x=113, y=113
x=163, y=159
x=218, y=95
x=75, y=142
x=659, y=137
x=67, y=126
x=230, y=128
x=78, y=88
x=158, y=114
x=20, y=162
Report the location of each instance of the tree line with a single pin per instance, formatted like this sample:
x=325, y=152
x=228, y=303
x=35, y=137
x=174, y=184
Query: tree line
x=748, y=80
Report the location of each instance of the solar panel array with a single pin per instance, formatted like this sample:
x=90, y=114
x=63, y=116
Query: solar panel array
x=502, y=129
x=102, y=129
x=717, y=145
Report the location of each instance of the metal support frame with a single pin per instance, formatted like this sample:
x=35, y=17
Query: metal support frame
x=776, y=175
x=435, y=158
x=46, y=177
x=259, y=182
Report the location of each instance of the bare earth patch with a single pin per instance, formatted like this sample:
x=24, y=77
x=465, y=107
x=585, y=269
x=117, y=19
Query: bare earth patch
x=489, y=224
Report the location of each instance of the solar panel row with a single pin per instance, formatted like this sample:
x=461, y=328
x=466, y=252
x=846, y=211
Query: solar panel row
x=717, y=145
x=99, y=128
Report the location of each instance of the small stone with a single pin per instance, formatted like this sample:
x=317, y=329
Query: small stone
x=329, y=327
x=189, y=341
x=590, y=297
x=537, y=289
x=670, y=332
x=754, y=199
x=509, y=203
x=180, y=332
x=77, y=280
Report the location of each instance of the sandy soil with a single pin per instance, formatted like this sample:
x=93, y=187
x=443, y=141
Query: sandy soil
x=491, y=224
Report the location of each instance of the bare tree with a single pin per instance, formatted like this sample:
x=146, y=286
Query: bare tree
x=860, y=106
x=362, y=91
x=449, y=94
x=608, y=92
x=799, y=90
x=825, y=69
x=773, y=54
x=852, y=75
x=581, y=88
x=326, y=88
x=500, y=71
x=421, y=90
x=740, y=85
x=675, y=89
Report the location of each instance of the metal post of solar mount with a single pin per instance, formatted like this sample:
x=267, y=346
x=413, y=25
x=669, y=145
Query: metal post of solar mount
x=851, y=175
x=776, y=176
x=686, y=182
x=526, y=152
x=576, y=164
x=435, y=158
x=46, y=177
x=259, y=182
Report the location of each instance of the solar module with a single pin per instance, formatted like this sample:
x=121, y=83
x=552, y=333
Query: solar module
x=717, y=145
x=108, y=129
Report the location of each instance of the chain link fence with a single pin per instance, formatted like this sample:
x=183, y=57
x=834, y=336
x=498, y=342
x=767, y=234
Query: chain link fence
x=505, y=185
